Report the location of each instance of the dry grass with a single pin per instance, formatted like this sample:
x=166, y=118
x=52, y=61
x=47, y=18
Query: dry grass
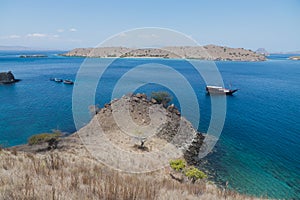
x=69, y=174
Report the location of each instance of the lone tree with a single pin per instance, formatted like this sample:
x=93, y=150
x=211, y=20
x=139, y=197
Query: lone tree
x=162, y=97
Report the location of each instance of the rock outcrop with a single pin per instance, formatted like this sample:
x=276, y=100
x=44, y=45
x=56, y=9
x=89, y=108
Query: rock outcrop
x=128, y=122
x=7, y=77
x=135, y=133
x=208, y=52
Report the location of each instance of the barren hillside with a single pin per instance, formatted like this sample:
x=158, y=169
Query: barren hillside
x=208, y=52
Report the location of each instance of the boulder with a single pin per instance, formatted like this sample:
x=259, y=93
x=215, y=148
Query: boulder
x=7, y=77
x=153, y=101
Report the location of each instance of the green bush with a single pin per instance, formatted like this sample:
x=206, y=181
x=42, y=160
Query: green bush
x=162, y=97
x=195, y=174
x=43, y=137
x=178, y=164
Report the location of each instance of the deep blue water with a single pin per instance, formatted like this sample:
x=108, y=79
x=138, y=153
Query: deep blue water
x=258, y=152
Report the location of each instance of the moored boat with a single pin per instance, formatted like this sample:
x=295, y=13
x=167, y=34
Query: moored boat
x=219, y=90
x=58, y=80
x=68, y=82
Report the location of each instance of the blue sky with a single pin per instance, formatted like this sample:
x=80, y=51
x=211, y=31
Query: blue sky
x=66, y=24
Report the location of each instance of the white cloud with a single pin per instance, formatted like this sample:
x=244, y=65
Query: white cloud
x=60, y=30
x=73, y=29
x=42, y=35
x=14, y=36
x=36, y=35
x=10, y=37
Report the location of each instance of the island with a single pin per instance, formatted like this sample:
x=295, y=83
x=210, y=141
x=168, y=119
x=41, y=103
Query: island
x=7, y=78
x=294, y=58
x=262, y=51
x=208, y=52
x=33, y=56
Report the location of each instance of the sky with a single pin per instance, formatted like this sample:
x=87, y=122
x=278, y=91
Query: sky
x=66, y=24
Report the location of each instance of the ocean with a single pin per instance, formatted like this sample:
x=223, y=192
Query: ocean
x=257, y=153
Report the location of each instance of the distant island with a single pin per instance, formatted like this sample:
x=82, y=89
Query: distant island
x=33, y=56
x=288, y=52
x=208, y=52
x=14, y=48
x=262, y=51
x=294, y=58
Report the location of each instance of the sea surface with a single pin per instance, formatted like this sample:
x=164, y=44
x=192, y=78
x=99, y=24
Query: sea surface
x=258, y=152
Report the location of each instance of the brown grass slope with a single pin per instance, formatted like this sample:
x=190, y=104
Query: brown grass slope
x=70, y=173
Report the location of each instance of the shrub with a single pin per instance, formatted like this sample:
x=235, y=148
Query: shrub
x=43, y=137
x=178, y=164
x=195, y=174
x=162, y=97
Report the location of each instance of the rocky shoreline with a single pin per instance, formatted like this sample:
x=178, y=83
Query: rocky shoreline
x=170, y=130
x=208, y=52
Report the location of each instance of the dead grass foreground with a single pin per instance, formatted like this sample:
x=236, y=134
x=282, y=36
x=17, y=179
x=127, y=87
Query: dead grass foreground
x=69, y=174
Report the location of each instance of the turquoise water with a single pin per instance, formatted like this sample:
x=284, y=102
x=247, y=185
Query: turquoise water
x=258, y=152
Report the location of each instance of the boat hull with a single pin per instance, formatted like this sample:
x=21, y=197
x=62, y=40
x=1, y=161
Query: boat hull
x=219, y=90
x=69, y=82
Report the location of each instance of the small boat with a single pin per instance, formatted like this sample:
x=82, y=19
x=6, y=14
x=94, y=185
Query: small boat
x=58, y=80
x=219, y=90
x=68, y=82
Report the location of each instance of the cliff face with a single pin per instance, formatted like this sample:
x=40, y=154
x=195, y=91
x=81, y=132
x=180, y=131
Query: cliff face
x=208, y=52
x=7, y=77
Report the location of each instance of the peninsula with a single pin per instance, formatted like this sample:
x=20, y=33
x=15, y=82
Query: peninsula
x=208, y=52
x=53, y=167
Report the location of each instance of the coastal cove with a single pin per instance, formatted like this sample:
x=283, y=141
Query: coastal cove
x=258, y=150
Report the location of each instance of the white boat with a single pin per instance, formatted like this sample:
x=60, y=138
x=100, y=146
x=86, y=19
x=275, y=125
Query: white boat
x=58, y=80
x=68, y=82
x=219, y=90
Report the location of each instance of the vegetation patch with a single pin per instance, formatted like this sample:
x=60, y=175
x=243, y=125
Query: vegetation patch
x=178, y=164
x=162, y=97
x=195, y=174
x=43, y=137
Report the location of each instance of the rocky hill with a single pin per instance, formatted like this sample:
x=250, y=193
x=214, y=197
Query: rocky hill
x=126, y=122
x=208, y=52
x=72, y=170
